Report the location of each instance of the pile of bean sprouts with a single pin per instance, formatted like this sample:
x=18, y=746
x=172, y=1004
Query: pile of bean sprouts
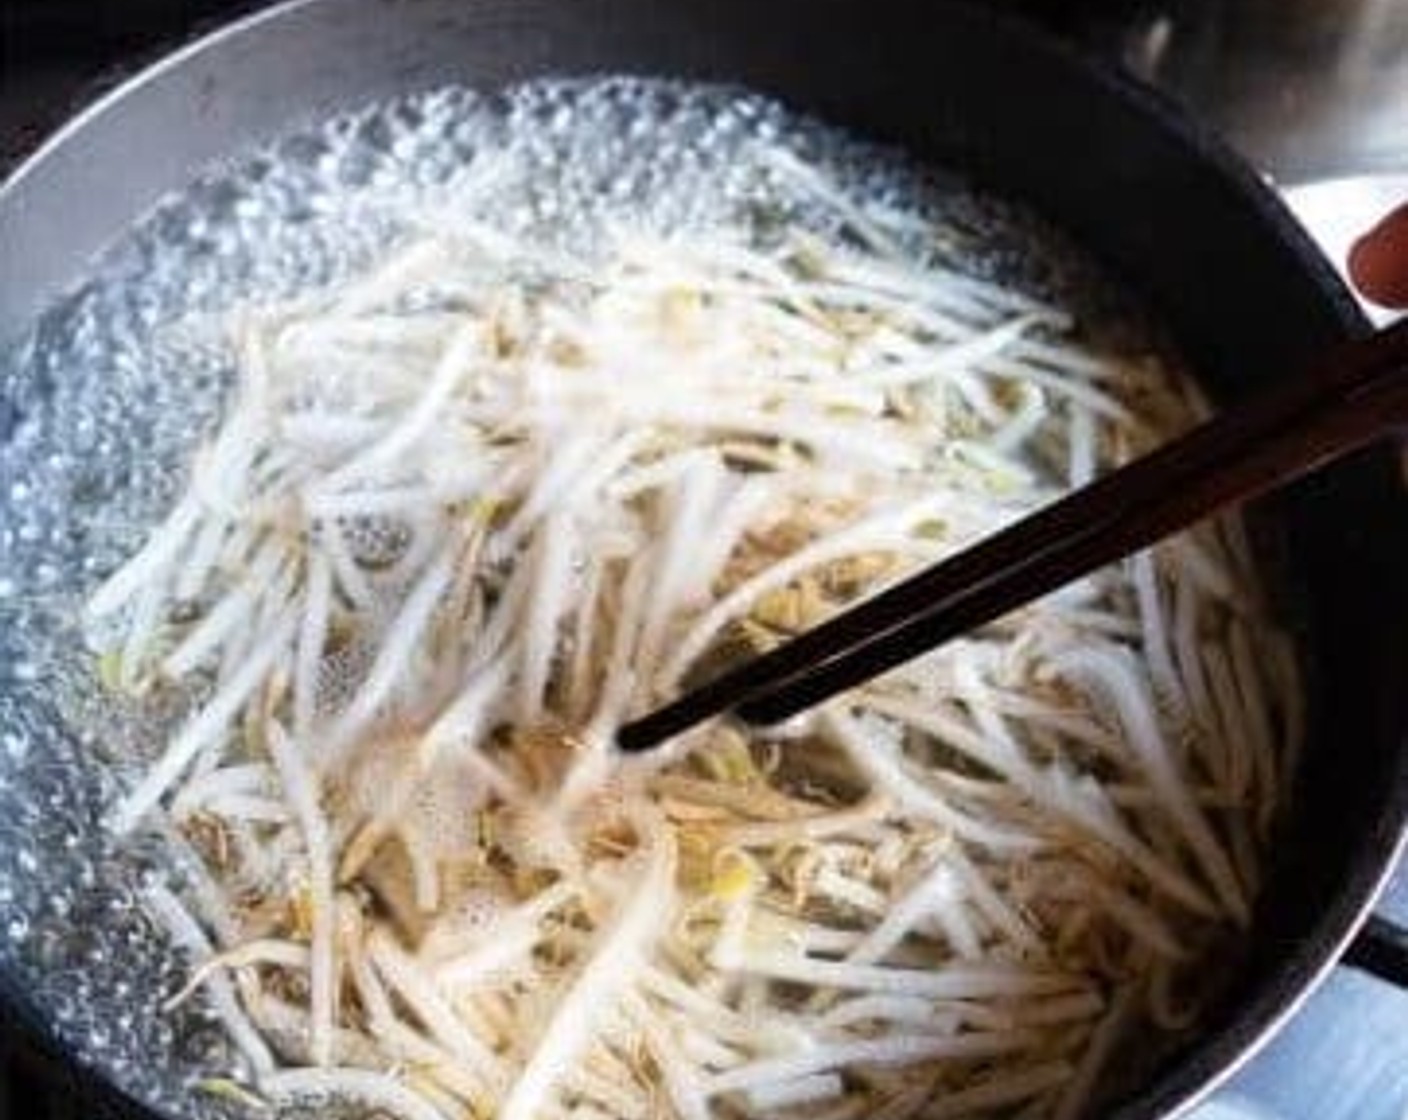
x=473, y=509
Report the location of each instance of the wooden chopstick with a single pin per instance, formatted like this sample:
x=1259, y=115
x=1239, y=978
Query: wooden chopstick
x=1353, y=394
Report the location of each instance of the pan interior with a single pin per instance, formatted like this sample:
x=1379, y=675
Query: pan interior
x=102, y=404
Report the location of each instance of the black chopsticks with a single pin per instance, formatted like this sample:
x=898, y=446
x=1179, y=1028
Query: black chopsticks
x=1353, y=394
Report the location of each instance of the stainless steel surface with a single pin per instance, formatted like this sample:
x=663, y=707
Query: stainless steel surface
x=1344, y=1057
x=1308, y=89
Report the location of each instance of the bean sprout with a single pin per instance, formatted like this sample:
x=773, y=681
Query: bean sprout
x=441, y=549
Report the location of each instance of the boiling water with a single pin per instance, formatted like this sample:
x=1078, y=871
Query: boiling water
x=101, y=406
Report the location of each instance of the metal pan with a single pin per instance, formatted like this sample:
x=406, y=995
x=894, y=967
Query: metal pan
x=1166, y=207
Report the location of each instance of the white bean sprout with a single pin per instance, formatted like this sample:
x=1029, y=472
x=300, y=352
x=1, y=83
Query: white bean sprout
x=469, y=513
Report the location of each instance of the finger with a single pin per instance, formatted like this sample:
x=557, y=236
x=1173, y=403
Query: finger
x=1378, y=261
